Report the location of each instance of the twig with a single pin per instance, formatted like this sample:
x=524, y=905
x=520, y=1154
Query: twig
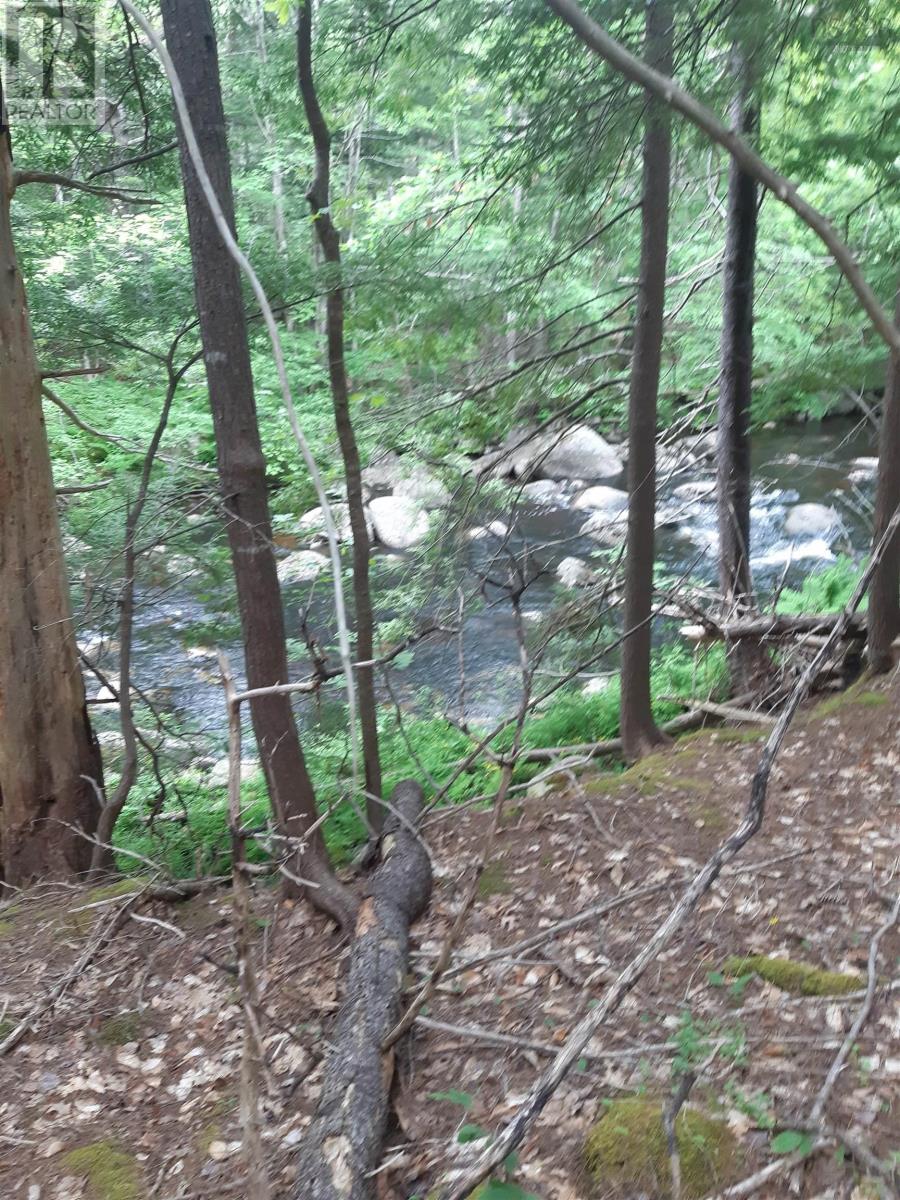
x=21, y=178
x=862, y=1016
x=670, y=1112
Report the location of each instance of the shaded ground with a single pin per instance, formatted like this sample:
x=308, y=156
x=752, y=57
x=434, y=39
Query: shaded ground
x=129, y=1089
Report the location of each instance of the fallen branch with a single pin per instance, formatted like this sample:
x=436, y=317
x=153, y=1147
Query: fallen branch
x=460, y=1184
x=774, y=627
x=128, y=197
x=343, y=1146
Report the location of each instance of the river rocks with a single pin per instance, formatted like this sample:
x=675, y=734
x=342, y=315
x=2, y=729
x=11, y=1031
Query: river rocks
x=301, y=566
x=607, y=528
x=810, y=520
x=579, y=453
x=574, y=572
x=543, y=492
x=607, y=499
x=496, y=529
x=399, y=523
x=697, y=489
x=863, y=469
x=816, y=549
x=391, y=472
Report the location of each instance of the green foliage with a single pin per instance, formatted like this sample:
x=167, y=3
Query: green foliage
x=824, y=591
x=791, y=1140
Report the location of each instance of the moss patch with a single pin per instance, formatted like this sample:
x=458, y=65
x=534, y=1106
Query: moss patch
x=493, y=881
x=756, y=733
x=5, y=928
x=626, y=1150
x=6, y=1028
x=855, y=696
x=121, y=887
x=798, y=978
x=112, y=1174
x=122, y=1028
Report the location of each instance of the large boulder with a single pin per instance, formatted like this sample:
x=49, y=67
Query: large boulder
x=301, y=566
x=696, y=489
x=399, y=523
x=574, y=572
x=811, y=520
x=389, y=472
x=577, y=453
x=542, y=492
x=607, y=528
x=607, y=499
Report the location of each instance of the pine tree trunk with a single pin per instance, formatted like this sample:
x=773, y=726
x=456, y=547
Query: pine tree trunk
x=190, y=37
x=48, y=756
x=748, y=661
x=639, y=731
x=319, y=197
x=884, y=601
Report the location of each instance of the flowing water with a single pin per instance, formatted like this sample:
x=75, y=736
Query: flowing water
x=809, y=463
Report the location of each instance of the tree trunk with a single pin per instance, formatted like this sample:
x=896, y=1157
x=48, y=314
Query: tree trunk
x=191, y=41
x=50, y=768
x=884, y=604
x=748, y=662
x=639, y=731
x=319, y=197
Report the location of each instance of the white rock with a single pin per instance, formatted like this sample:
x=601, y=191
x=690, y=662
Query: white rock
x=313, y=522
x=218, y=776
x=579, y=453
x=574, y=572
x=399, y=523
x=697, y=489
x=866, y=463
x=301, y=566
x=422, y=488
x=543, y=492
x=606, y=528
x=816, y=548
x=609, y=499
x=808, y=520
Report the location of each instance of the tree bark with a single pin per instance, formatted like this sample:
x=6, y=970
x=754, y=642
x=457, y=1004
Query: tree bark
x=884, y=604
x=190, y=36
x=747, y=661
x=51, y=774
x=319, y=198
x=639, y=731
x=342, y=1149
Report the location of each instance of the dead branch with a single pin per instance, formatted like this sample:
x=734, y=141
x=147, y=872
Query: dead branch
x=51, y=177
x=343, y=1146
x=455, y=1186
x=778, y=626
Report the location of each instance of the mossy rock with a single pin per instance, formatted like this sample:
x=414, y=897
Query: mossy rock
x=111, y=1172
x=626, y=1151
x=799, y=979
x=493, y=881
x=124, y=1027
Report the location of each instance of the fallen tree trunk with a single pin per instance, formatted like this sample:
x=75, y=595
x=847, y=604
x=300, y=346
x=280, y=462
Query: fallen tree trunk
x=775, y=626
x=343, y=1147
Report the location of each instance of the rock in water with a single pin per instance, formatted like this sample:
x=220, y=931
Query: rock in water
x=808, y=520
x=574, y=572
x=579, y=453
x=399, y=523
x=302, y=566
x=697, y=489
x=608, y=499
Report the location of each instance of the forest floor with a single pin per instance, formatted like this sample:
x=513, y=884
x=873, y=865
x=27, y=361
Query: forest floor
x=128, y=1090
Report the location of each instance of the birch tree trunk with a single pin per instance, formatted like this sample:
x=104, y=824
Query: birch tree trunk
x=48, y=755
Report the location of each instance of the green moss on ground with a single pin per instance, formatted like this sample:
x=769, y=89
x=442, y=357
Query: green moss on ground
x=732, y=735
x=6, y=1028
x=857, y=696
x=798, y=978
x=5, y=928
x=626, y=1150
x=122, y=1028
x=493, y=881
x=121, y=887
x=111, y=1172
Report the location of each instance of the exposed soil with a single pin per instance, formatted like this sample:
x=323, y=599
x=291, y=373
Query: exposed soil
x=143, y=1050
